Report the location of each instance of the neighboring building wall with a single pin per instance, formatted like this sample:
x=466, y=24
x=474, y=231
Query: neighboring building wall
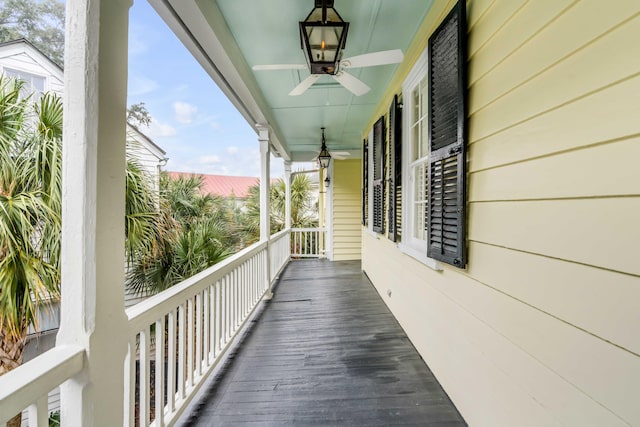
x=543, y=326
x=16, y=58
x=347, y=241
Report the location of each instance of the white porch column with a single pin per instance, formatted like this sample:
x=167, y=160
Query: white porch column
x=93, y=209
x=265, y=208
x=265, y=184
x=287, y=205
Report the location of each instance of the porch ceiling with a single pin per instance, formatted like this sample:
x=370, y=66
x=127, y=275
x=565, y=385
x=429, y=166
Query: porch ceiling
x=228, y=37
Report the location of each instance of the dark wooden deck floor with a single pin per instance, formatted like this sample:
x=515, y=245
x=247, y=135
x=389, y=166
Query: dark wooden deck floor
x=326, y=351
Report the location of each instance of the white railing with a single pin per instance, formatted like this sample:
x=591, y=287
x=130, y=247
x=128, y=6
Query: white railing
x=175, y=340
x=307, y=242
x=189, y=327
x=279, y=252
x=27, y=386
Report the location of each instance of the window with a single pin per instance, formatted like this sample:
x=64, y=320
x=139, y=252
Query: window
x=415, y=153
x=33, y=84
x=434, y=148
x=378, y=160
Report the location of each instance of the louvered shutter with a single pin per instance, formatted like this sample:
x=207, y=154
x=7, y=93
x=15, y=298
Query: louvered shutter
x=365, y=182
x=395, y=168
x=447, y=134
x=378, y=176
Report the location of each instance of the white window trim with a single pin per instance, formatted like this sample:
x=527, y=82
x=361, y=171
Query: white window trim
x=30, y=73
x=409, y=245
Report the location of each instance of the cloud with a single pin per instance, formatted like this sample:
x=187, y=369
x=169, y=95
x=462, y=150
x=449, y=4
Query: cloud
x=141, y=86
x=208, y=160
x=137, y=45
x=184, y=112
x=232, y=150
x=215, y=125
x=160, y=130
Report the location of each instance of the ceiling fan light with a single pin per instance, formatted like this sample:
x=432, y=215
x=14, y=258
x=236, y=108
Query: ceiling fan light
x=323, y=35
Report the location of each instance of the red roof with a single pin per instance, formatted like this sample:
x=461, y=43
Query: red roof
x=223, y=185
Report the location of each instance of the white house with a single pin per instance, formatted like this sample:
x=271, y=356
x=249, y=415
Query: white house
x=20, y=59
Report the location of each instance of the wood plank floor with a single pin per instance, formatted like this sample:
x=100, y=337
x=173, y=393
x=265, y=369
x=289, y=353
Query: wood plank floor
x=326, y=351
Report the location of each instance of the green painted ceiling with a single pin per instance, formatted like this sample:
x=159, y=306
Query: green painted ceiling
x=266, y=32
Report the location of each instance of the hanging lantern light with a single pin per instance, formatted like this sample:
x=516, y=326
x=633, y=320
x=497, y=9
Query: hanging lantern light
x=324, y=157
x=323, y=35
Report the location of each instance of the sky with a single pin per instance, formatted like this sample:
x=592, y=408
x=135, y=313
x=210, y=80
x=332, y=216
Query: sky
x=192, y=120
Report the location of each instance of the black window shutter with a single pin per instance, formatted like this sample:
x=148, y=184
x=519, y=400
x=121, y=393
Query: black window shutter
x=395, y=169
x=378, y=176
x=447, y=134
x=365, y=182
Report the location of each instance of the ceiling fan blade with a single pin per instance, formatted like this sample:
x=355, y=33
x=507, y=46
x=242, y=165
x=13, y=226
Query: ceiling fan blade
x=279, y=67
x=341, y=153
x=354, y=85
x=304, y=85
x=374, y=58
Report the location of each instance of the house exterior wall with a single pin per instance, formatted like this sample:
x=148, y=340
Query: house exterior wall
x=346, y=179
x=542, y=326
x=18, y=59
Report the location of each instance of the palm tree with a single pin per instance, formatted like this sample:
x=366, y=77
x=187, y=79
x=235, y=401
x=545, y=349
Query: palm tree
x=30, y=213
x=30, y=201
x=194, y=231
x=303, y=211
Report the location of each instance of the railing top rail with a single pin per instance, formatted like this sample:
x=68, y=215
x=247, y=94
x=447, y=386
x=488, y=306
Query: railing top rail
x=280, y=234
x=147, y=310
x=309, y=229
x=37, y=377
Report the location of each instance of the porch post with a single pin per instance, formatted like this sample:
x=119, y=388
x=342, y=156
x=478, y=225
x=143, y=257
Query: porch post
x=265, y=186
x=93, y=195
x=287, y=205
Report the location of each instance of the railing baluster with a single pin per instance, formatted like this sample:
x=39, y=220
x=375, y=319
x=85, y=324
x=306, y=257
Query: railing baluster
x=130, y=384
x=171, y=361
x=159, y=372
x=212, y=324
x=225, y=308
x=233, y=295
x=190, y=339
x=39, y=412
x=144, y=378
x=218, y=317
x=206, y=351
x=198, y=340
x=181, y=351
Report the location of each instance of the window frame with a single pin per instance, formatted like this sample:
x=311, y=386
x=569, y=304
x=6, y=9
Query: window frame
x=21, y=74
x=410, y=245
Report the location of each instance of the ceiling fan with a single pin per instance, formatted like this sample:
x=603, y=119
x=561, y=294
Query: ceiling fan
x=351, y=83
x=323, y=35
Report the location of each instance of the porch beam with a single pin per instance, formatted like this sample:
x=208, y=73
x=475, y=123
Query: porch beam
x=93, y=209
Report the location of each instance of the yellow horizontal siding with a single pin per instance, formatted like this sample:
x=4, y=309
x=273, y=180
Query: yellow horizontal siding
x=607, y=301
x=568, y=174
x=599, y=232
x=599, y=117
x=485, y=347
x=347, y=190
x=542, y=327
